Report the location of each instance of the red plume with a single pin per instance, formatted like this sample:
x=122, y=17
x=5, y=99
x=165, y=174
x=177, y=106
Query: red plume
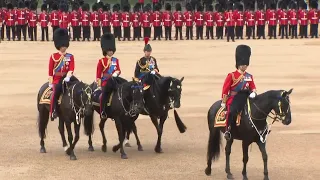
x=146, y=40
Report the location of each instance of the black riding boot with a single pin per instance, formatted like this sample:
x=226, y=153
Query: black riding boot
x=56, y=96
x=227, y=134
x=104, y=99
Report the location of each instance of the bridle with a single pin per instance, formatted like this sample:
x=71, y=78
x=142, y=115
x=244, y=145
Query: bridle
x=172, y=97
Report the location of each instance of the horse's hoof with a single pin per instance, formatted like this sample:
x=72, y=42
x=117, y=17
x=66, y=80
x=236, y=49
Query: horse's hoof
x=266, y=178
x=73, y=157
x=115, y=148
x=127, y=145
x=208, y=171
x=90, y=148
x=230, y=176
x=68, y=151
x=104, y=148
x=140, y=148
x=158, y=150
x=245, y=178
x=124, y=156
x=43, y=150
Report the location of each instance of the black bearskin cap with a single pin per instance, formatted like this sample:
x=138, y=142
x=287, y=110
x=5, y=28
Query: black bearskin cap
x=81, y=3
x=314, y=4
x=61, y=38
x=168, y=7
x=239, y=6
x=108, y=42
x=54, y=6
x=26, y=4
x=75, y=7
x=260, y=6
x=157, y=7
x=85, y=7
x=33, y=6
x=199, y=8
x=178, y=7
x=100, y=4
x=44, y=7
x=273, y=6
x=126, y=7
x=95, y=7
x=217, y=7
x=188, y=7
x=21, y=4
x=105, y=7
x=230, y=6
x=292, y=5
x=304, y=5
x=9, y=6
x=115, y=8
x=149, y=7
x=210, y=7
x=64, y=8
x=243, y=53
x=136, y=7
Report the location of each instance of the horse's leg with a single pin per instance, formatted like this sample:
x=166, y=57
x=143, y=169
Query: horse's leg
x=126, y=140
x=262, y=147
x=42, y=126
x=76, y=139
x=121, y=135
x=154, y=120
x=158, y=146
x=228, y=152
x=90, y=148
x=70, y=137
x=135, y=132
x=104, y=140
x=245, y=147
x=63, y=137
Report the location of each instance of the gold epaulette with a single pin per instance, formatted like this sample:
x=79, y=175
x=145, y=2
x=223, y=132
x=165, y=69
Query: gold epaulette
x=105, y=66
x=57, y=60
x=143, y=66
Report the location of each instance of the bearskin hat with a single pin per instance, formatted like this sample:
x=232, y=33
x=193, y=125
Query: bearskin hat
x=21, y=4
x=64, y=8
x=136, y=7
x=54, y=6
x=273, y=6
x=33, y=6
x=243, y=53
x=108, y=42
x=9, y=6
x=147, y=46
x=106, y=7
x=188, y=7
x=100, y=4
x=210, y=7
x=217, y=7
x=81, y=3
x=85, y=7
x=239, y=7
x=292, y=5
x=149, y=7
x=199, y=7
x=157, y=7
x=168, y=7
x=95, y=7
x=260, y=6
x=304, y=5
x=115, y=8
x=26, y=4
x=314, y=4
x=230, y=6
x=44, y=7
x=178, y=7
x=126, y=7
x=61, y=38
x=75, y=7
x=252, y=8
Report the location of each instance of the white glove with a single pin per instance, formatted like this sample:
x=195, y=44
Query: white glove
x=223, y=105
x=66, y=79
x=115, y=74
x=153, y=72
x=50, y=85
x=99, y=88
x=252, y=95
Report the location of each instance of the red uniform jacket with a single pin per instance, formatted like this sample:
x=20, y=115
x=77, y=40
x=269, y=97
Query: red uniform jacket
x=250, y=19
x=272, y=18
x=75, y=19
x=105, y=19
x=105, y=68
x=209, y=18
x=234, y=83
x=85, y=18
x=230, y=18
x=178, y=18
x=156, y=19
x=283, y=18
x=219, y=19
x=116, y=19
x=135, y=19
x=44, y=19
x=167, y=19
x=64, y=20
x=260, y=17
x=239, y=18
x=94, y=19
x=146, y=19
x=313, y=17
x=21, y=17
x=303, y=17
x=293, y=16
x=59, y=65
x=125, y=16
x=54, y=18
x=188, y=18
x=33, y=19
x=199, y=19
x=279, y=11
x=10, y=18
x=141, y=1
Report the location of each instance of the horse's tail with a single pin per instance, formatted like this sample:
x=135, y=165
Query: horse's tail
x=182, y=128
x=214, y=142
x=43, y=114
x=88, y=124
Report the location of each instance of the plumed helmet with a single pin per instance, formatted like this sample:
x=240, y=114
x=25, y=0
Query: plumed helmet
x=243, y=53
x=33, y=6
x=44, y=7
x=108, y=42
x=147, y=46
x=61, y=38
x=168, y=7
x=178, y=7
x=21, y=4
x=126, y=7
x=9, y=6
x=95, y=7
x=75, y=7
x=54, y=6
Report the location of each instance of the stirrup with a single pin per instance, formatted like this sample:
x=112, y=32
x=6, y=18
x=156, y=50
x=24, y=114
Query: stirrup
x=53, y=115
x=103, y=115
x=227, y=135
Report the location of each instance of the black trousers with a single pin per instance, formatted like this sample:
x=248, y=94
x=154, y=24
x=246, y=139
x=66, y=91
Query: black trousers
x=294, y=31
x=147, y=32
x=86, y=32
x=304, y=31
x=12, y=29
x=209, y=32
x=237, y=105
x=199, y=32
x=106, y=91
x=239, y=32
x=251, y=32
x=230, y=33
x=261, y=31
x=33, y=33
x=126, y=33
x=56, y=93
x=76, y=33
x=219, y=32
x=44, y=33
x=136, y=33
x=157, y=32
x=167, y=31
x=96, y=33
x=106, y=29
x=290, y=28
x=272, y=31
x=21, y=29
x=314, y=30
x=53, y=29
x=284, y=30
x=189, y=32
x=179, y=32
x=117, y=32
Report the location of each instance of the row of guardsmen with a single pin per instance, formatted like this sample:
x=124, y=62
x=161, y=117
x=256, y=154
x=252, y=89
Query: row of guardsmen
x=24, y=19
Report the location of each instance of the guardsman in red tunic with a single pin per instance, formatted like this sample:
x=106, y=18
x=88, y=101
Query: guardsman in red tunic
x=107, y=67
x=293, y=16
x=239, y=21
x=146, y=22
x=199, y=19
x=279, y=11
x=230, y=21
x=100, y=8
x=44, y=20
x=303, y=21
x=136, y=22
x=85, y=22
x=105, y=19
x=61, y=64
x=3, y=12
x=284, y=22
x=235, y=82
x=75, y=22
x=313, y=17
x=21, y=22
x=167, y=21
x=126, y=23
x=116, y=21
x=10, y=22
x=251, y=22
x=64, y=18
x=209, y=19
x=178, y=21
x=54, y=17
x=219, y=19
x=272, y=22
x=33, y=21
x=188, y=18
x=94, y=19
x=156, y=22
x=261, y=21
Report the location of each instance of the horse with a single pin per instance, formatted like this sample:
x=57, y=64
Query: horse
x=163, y=94
x=253, y=127
x=75, y=103
x=125, y=103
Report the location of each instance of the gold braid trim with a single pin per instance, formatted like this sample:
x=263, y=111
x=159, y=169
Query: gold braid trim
x=57, y=60
x=143, y=66
x=236, y=81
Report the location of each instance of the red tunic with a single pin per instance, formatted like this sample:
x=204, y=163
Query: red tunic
x=54, y=18
x=145, y=19
x=64, y=20
x=260, y=17
x=75, y=19
x=135, y=19
x=250, y=19
x=230, y=18
x=85, y=18
x=239, y=18
x=43, y=19
x=293, y=16
x=60, y=65
x=234, y=83
x=156, y=19
x=94, y=19
x=105, y=68
x=10, y=18
x=116, y=19
x=105, y=19
x=219, y=19
x=313, y=17
x=21, y=17
x=178, y=19
x=125, y=16
x=33, y=19
x=272, y=18
x=303, y=17
x=198, y=18
x=188, y=18
x=283, y=18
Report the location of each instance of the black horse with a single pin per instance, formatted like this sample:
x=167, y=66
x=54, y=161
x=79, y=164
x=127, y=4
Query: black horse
x=253, y=127
x=163, y=94
x=75, y=105
x=125, y=106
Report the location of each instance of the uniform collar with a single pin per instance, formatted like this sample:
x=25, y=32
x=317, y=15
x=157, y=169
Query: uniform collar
x=241, y=72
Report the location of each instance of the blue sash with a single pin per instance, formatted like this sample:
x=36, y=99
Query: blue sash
x=112, y=67
x=241, y=84
x=62, y=62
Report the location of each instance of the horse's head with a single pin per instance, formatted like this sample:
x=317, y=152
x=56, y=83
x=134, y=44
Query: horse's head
x=282, y=106
x=136, y=92
x=175, y=90
x=86, y=100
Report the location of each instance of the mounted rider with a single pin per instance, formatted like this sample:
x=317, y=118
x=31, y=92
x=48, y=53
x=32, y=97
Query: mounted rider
x=107, y=67
x=61, y=64
x=235, y=82
x=146, y=64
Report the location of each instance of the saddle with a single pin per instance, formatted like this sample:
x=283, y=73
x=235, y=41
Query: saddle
x=97, y=96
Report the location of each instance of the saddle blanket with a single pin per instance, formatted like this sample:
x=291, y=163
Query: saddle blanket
x=97, y=96
x=46, y=96
x=220, y=118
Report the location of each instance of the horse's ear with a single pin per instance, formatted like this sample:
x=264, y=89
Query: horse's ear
x=289, y=92
x=181, y=79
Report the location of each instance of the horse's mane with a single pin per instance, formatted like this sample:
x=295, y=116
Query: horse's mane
x=270, y=94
